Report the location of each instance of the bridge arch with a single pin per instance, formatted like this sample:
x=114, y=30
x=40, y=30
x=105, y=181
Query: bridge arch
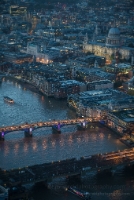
x=28, y=128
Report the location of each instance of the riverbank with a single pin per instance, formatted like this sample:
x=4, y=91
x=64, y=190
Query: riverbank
x=25, y=84
x=125, y=139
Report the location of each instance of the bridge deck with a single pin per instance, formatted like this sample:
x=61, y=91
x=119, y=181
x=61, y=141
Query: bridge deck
x=45, y=124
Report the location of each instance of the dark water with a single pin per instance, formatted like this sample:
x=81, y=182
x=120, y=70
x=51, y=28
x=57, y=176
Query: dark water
x=116, y=190
x=29, y=106
x=17, y=151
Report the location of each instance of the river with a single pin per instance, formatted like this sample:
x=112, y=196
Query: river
x=17, y=151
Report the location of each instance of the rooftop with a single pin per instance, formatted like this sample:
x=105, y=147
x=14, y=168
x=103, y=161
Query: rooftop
x=125, y=115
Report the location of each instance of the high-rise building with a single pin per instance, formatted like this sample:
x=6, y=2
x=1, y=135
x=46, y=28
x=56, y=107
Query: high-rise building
x=17, y=10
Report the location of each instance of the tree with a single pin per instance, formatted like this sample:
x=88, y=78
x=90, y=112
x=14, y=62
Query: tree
x=112, y=57
x=131, y=92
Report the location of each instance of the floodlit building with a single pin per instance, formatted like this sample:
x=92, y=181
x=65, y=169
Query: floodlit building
x=121, y=120
x=17, y=10
x=113, y=44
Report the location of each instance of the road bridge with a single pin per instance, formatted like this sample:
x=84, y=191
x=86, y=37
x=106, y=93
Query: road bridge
x=69, y=167
x=56, y=125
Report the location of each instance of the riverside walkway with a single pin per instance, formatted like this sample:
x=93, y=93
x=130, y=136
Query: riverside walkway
x=69, y=167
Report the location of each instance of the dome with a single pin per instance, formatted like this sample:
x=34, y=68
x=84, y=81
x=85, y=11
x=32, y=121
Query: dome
x=114, y=33
x=113, y=39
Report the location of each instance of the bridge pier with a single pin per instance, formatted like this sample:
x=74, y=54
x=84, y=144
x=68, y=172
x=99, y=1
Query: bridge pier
x=82, y=126
x=2, y=134
x=56, y=128
x=28, y=132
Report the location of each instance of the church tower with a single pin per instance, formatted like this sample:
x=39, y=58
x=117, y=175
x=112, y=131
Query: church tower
x=96, y=64
x=85, y=39
x=95, y=34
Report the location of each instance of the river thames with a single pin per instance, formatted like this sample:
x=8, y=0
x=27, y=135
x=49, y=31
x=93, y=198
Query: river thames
x=17, y=151
x=45, y=146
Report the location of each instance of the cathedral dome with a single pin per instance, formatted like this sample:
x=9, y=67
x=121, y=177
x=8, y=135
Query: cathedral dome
x=113, y=39
x=114, y=33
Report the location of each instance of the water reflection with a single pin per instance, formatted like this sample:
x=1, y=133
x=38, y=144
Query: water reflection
x=45, y=146
x=25, y=147
x=34, y=145
x=16, y=148
x=6, y=150
x=55, y=147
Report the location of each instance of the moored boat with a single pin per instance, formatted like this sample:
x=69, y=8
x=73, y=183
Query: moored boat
x=81, y=194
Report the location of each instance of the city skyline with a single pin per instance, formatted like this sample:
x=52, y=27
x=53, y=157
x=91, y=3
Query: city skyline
x=66, y=98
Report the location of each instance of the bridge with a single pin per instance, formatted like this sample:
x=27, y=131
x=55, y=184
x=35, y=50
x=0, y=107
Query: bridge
x=56, y=125
x=69, y=167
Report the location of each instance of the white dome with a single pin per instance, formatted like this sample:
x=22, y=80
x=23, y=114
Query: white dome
x=114, y=33
x=113, y=39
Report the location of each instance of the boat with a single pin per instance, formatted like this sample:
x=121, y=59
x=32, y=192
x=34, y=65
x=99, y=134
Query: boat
x=8, y=99
x=80, y=193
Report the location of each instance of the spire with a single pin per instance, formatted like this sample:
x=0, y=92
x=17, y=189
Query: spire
x=96, y=64
x=114, y=23
x=96, y=30
x=95, y=33
x=50, y=25
x=128, y=22
x=86, y=39
x=132, y=59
